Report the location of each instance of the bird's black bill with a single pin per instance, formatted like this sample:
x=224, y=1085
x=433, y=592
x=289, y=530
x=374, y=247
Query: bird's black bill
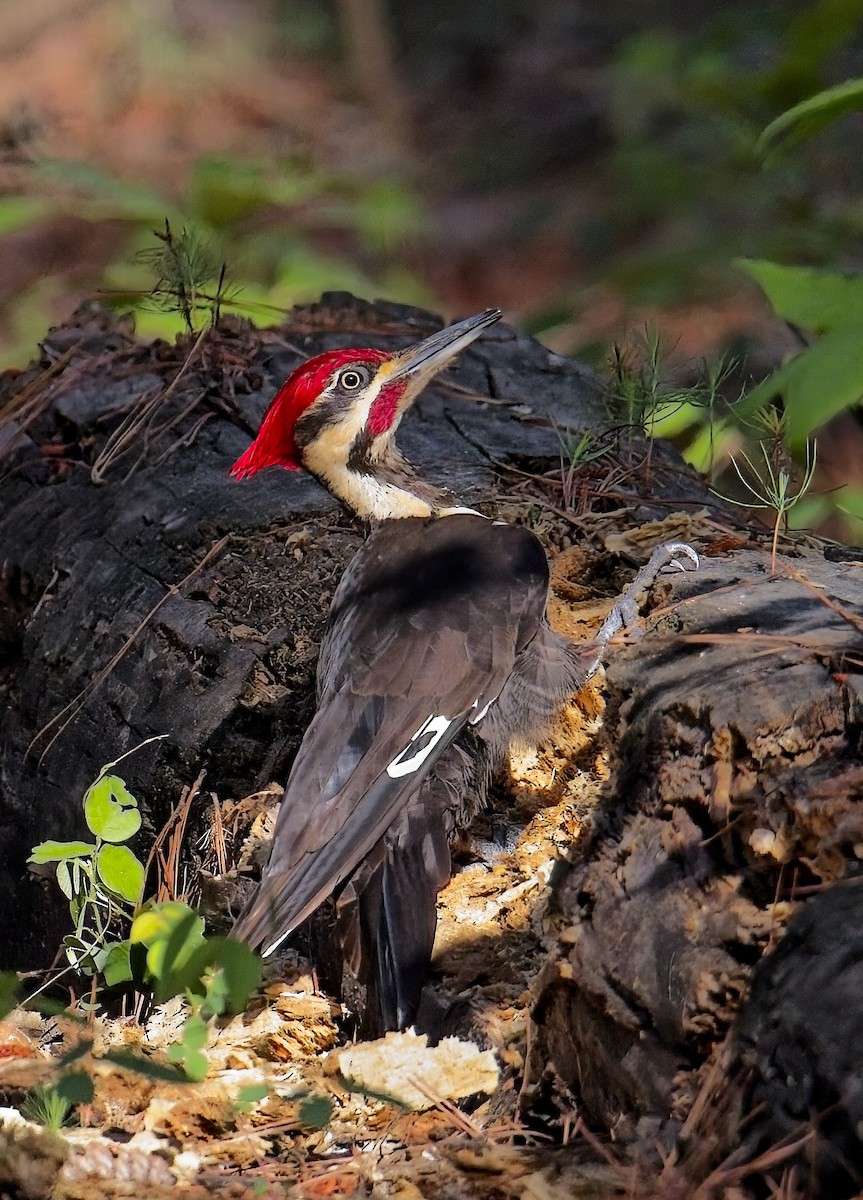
x=435, y=351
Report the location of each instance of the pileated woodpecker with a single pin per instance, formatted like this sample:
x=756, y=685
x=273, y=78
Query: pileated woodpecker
x=436, y=655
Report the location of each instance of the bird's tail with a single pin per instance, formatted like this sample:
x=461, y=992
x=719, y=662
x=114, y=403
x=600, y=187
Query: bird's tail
x=387, y=918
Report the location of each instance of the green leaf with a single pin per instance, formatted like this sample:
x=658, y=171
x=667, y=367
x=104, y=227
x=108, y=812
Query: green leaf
x=316, y=1112
x=817, y=384
x=189, y=1051
x=76, y=1087
x=121, y=871
x=117, y=967
x=143, y=1066
x=47, y=852
x=238, y=971
x=172, y=932
x=195, y=1033
x=79, y=953
x=9, y=985
x=64, y=879
x=810, y=115
x=817, y=301
x=251, y=1094
x=110, y=810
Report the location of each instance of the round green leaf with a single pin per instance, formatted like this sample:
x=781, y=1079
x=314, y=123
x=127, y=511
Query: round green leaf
x=110, y=810
x=316, y=1112
x=172, y=932
x=121, y=872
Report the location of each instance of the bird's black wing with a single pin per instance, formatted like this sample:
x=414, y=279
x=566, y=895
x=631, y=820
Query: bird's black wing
x=424, y=631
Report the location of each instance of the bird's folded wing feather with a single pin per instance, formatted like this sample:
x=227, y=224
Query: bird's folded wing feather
x=400, y=680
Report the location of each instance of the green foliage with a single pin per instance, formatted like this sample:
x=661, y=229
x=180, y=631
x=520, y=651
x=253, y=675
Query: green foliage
x=75, y=1087
x=268, y=220
x=217, y=975
x=641, y=395
x=316, y=1112
x=185, y=268
x=771, y=487
x=111, y=811
x=808, y=117
x=102, y=880
x=188, y=1053
x=47, y=1106
x=249, y=1095
x=685, y=186
x=171, y=932
x=826, y=377
x=166, y=948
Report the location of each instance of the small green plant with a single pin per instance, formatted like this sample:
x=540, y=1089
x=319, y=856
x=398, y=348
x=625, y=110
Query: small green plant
x=53, y=1105
x=189, y=278
x=102, y=880
x=49, y=1107
x=216, y=975
x=642, y=397
x=576, y=451
x=771, y=486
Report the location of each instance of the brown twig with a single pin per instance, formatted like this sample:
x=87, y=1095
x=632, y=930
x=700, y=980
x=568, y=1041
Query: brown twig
x=173, y=832
x=139, y=418
x=68, y=713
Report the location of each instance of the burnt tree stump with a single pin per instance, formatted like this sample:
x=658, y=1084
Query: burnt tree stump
x=168, y=599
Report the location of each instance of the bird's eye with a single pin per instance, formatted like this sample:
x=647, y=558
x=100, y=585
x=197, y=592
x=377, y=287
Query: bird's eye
x=352, y=378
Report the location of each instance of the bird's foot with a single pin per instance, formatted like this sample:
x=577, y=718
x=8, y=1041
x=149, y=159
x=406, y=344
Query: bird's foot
x=676, y=556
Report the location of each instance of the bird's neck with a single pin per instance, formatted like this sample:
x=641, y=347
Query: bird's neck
x=387, y=490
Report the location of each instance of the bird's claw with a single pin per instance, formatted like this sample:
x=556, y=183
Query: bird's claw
x=678, y=556
x=666, y=555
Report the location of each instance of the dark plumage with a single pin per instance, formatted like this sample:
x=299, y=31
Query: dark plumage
x=435, y=620
x=436, y=655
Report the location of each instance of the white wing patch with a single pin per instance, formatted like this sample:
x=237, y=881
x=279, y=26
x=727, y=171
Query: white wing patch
x=436, y=727
x=275, y=945
x=478, y=716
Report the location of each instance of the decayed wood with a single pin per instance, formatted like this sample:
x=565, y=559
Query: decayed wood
x=738, y=783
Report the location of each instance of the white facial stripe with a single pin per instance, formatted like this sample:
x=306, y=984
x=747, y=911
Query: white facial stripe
x=437, y=727
x=357, y=416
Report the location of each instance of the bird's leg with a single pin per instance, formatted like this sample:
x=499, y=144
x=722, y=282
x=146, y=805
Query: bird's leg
x=503, y=841
x=624, y=612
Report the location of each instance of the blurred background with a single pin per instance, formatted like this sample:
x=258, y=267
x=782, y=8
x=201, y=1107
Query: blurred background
x=588, y=165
